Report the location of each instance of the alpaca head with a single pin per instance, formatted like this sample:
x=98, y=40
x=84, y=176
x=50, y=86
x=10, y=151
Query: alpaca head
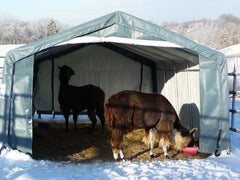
x=65, y=73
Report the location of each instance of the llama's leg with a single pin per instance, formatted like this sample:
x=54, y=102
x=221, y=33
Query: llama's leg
x=100, y=113
x=164, y=143
x=146, y=137
x=164, y=128
x=66, y=122
x=152, y=138
x=149, y=139
x=66, y=114
x=75, y=117
x=116, y=140
x=92, y=117
x=121, y=154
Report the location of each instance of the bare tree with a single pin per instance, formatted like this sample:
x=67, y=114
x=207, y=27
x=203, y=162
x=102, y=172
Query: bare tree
x=14, y=31
x=51, y=28
x=219, y=33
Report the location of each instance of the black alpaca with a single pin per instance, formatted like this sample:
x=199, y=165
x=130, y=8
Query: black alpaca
x=78, y=99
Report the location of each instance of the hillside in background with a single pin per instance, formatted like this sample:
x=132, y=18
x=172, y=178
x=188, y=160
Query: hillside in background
x=218, y=34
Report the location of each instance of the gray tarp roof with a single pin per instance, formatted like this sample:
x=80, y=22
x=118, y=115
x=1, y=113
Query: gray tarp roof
x=213, y=71
x=117, y=24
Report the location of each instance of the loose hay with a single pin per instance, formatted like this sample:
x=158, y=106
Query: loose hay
x=54, y=143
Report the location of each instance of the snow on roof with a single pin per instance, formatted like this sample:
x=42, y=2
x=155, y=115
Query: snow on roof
x=90, y=39
x=232, y=51
x=5, y=48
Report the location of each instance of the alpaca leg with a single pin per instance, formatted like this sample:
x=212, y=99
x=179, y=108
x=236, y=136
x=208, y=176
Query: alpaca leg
x=164, y=143
x=121, y=154
x=75, y=117
x=149, y=139
x=146, y=137
x=66, y=114
x=92, y=117
x=116, y=140
x=100, y=114
x=118, y=153
x=152, y=139
x=66, y=123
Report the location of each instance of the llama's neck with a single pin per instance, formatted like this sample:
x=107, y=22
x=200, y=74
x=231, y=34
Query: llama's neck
x=64, y=82
x=63, y=85
x=63, y=88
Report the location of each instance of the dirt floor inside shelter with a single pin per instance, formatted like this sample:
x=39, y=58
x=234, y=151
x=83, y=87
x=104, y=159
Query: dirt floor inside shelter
x=52, y=142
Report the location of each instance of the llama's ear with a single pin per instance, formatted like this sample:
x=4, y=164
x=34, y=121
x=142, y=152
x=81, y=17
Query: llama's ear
x=194, y=130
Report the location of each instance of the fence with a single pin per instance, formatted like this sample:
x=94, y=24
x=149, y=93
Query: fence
x=233, y=94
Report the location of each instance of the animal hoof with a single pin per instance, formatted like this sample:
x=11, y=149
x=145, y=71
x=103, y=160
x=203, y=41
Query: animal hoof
x=120, y=159
x=152, y=156
x=167, y=157
x=123, y=160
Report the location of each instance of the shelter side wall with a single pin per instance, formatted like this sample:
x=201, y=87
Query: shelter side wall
x=20, y=131
x=3, y=122
x=214, y=105
x=180, y=84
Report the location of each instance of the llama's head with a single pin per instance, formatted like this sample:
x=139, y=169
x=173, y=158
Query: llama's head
x=184, y=138
x=65, y=73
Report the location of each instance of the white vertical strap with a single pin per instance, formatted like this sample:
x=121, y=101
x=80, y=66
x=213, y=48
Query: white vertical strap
x=189, y=99
x=176, y=85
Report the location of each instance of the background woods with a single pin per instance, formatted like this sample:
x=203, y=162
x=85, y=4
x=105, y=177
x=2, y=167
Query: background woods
x=218, y=34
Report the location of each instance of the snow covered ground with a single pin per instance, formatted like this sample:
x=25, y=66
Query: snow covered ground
x=17, y=165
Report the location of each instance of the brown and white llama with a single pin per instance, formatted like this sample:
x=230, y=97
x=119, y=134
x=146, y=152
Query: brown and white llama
x=77, y=99
x=127, y=110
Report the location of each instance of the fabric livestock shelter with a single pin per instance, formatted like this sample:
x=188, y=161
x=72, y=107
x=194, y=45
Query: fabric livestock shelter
x=117, y=52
